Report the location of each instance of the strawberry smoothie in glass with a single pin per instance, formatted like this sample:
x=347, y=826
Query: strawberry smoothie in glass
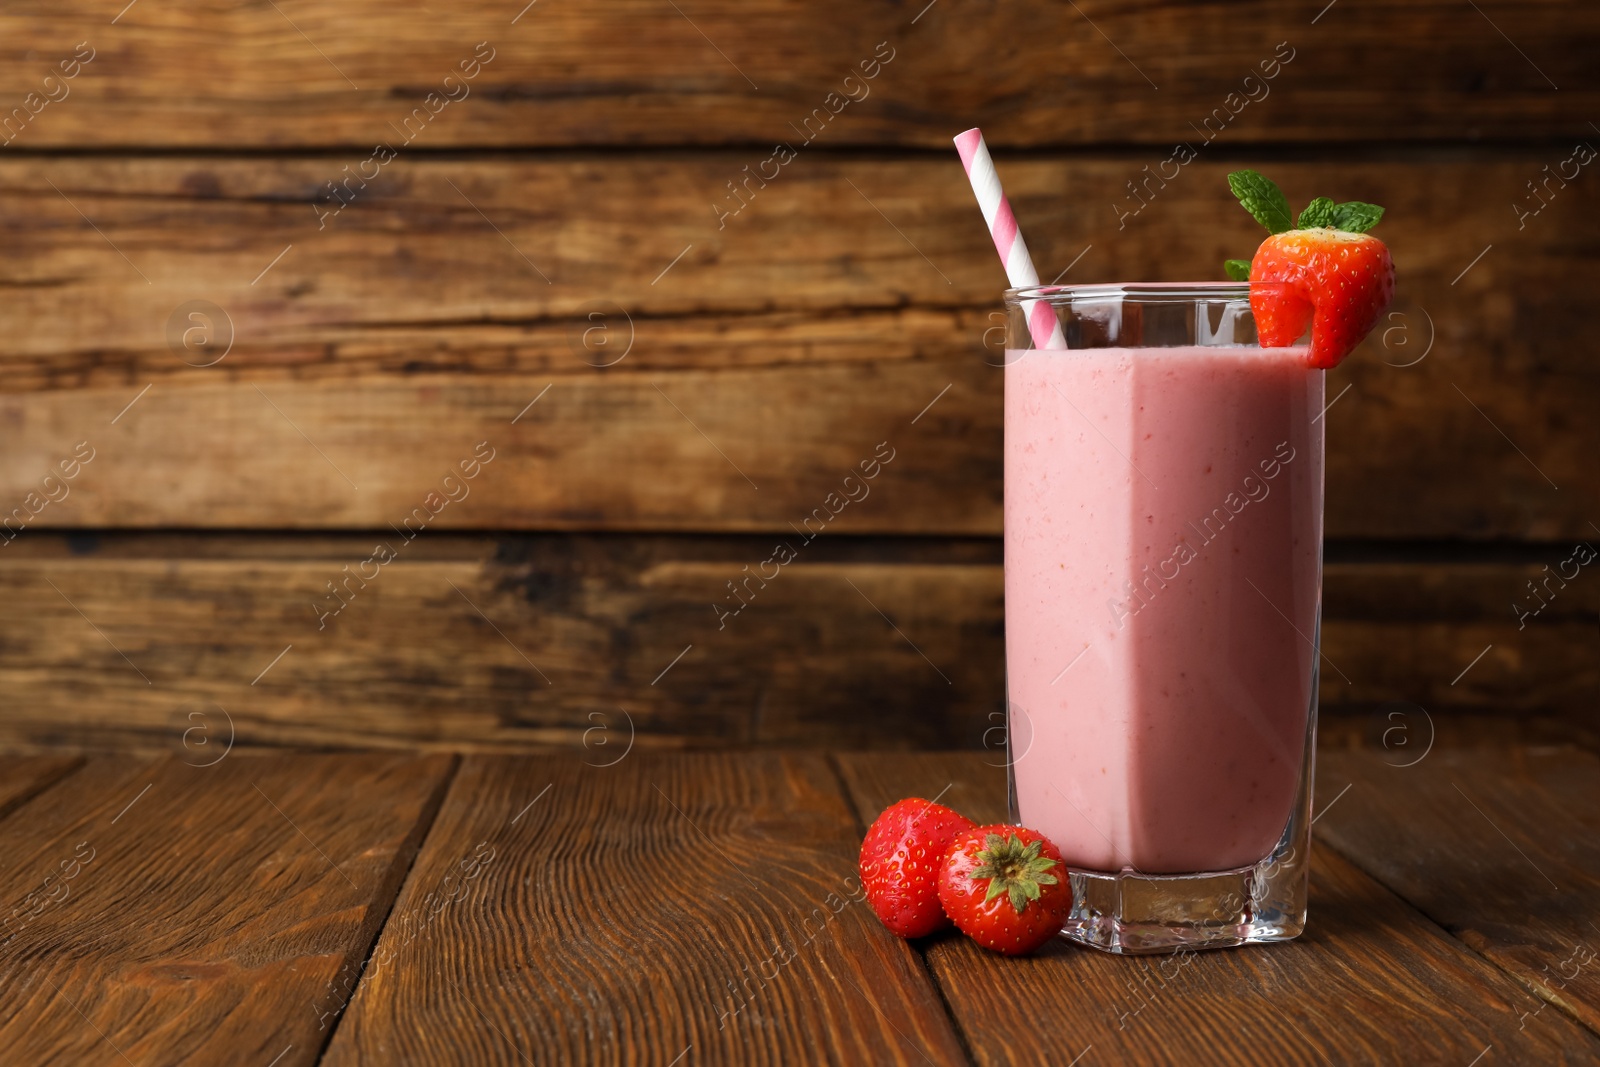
x=1163, y=567
x=1163, y=547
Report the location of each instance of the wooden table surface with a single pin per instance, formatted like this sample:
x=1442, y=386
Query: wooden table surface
x=383, y=908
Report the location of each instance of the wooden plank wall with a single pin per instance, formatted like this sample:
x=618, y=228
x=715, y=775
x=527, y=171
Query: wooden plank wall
x=278, y=277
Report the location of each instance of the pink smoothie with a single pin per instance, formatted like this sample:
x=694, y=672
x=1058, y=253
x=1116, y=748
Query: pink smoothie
x=1163, y=528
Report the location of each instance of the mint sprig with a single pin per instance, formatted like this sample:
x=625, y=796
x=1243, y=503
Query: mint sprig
x=1319, y=212
x=1263, y=199
x=1355, y=217
x=1267, y=204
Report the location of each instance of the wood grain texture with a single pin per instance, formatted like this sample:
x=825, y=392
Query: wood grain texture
x=1449, y=636
x=1372, y=729
x=777, y=352
x=718, y=71
x=558, y=639
x=21, y=777
x=567, y=640
x=1369, y=981
x=176, y=913
x=1501, y=848
x=564, y=913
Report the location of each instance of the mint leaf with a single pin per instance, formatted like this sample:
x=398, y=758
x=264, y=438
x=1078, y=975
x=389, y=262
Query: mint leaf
x=1355, y=217
x=1263, y=199
x=1317, y=213
x=1238, y=269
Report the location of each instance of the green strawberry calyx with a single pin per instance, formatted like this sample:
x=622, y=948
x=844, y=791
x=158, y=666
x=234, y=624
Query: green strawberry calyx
x=1013, y=868
x=1266, y=203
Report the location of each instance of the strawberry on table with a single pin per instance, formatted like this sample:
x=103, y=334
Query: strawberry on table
x=1330, y=271
x=900, y=862
x=1006, y=887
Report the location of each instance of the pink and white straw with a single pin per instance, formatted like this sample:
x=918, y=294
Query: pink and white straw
x=1042, y=322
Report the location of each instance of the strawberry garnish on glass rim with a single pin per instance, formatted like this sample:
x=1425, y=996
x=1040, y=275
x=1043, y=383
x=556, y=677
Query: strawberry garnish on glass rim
x=1331, y=273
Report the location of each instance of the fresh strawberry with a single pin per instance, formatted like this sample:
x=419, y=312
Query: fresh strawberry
x=1006, y=888
x=1341, y=282
x=1328, y=271
x=900, y=861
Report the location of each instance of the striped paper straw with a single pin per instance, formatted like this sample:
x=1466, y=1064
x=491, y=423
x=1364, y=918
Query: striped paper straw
x=1042, y=322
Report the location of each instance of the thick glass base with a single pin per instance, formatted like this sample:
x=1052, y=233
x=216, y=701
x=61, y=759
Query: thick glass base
x=1133, y=913
x=1130, y=912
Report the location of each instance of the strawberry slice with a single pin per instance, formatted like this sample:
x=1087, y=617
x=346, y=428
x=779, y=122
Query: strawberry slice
x=1329, y=271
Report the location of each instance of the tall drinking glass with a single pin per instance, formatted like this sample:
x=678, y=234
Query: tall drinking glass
x=1163, y=576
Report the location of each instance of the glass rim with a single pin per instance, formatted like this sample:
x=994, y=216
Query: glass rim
x=1170, y=291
